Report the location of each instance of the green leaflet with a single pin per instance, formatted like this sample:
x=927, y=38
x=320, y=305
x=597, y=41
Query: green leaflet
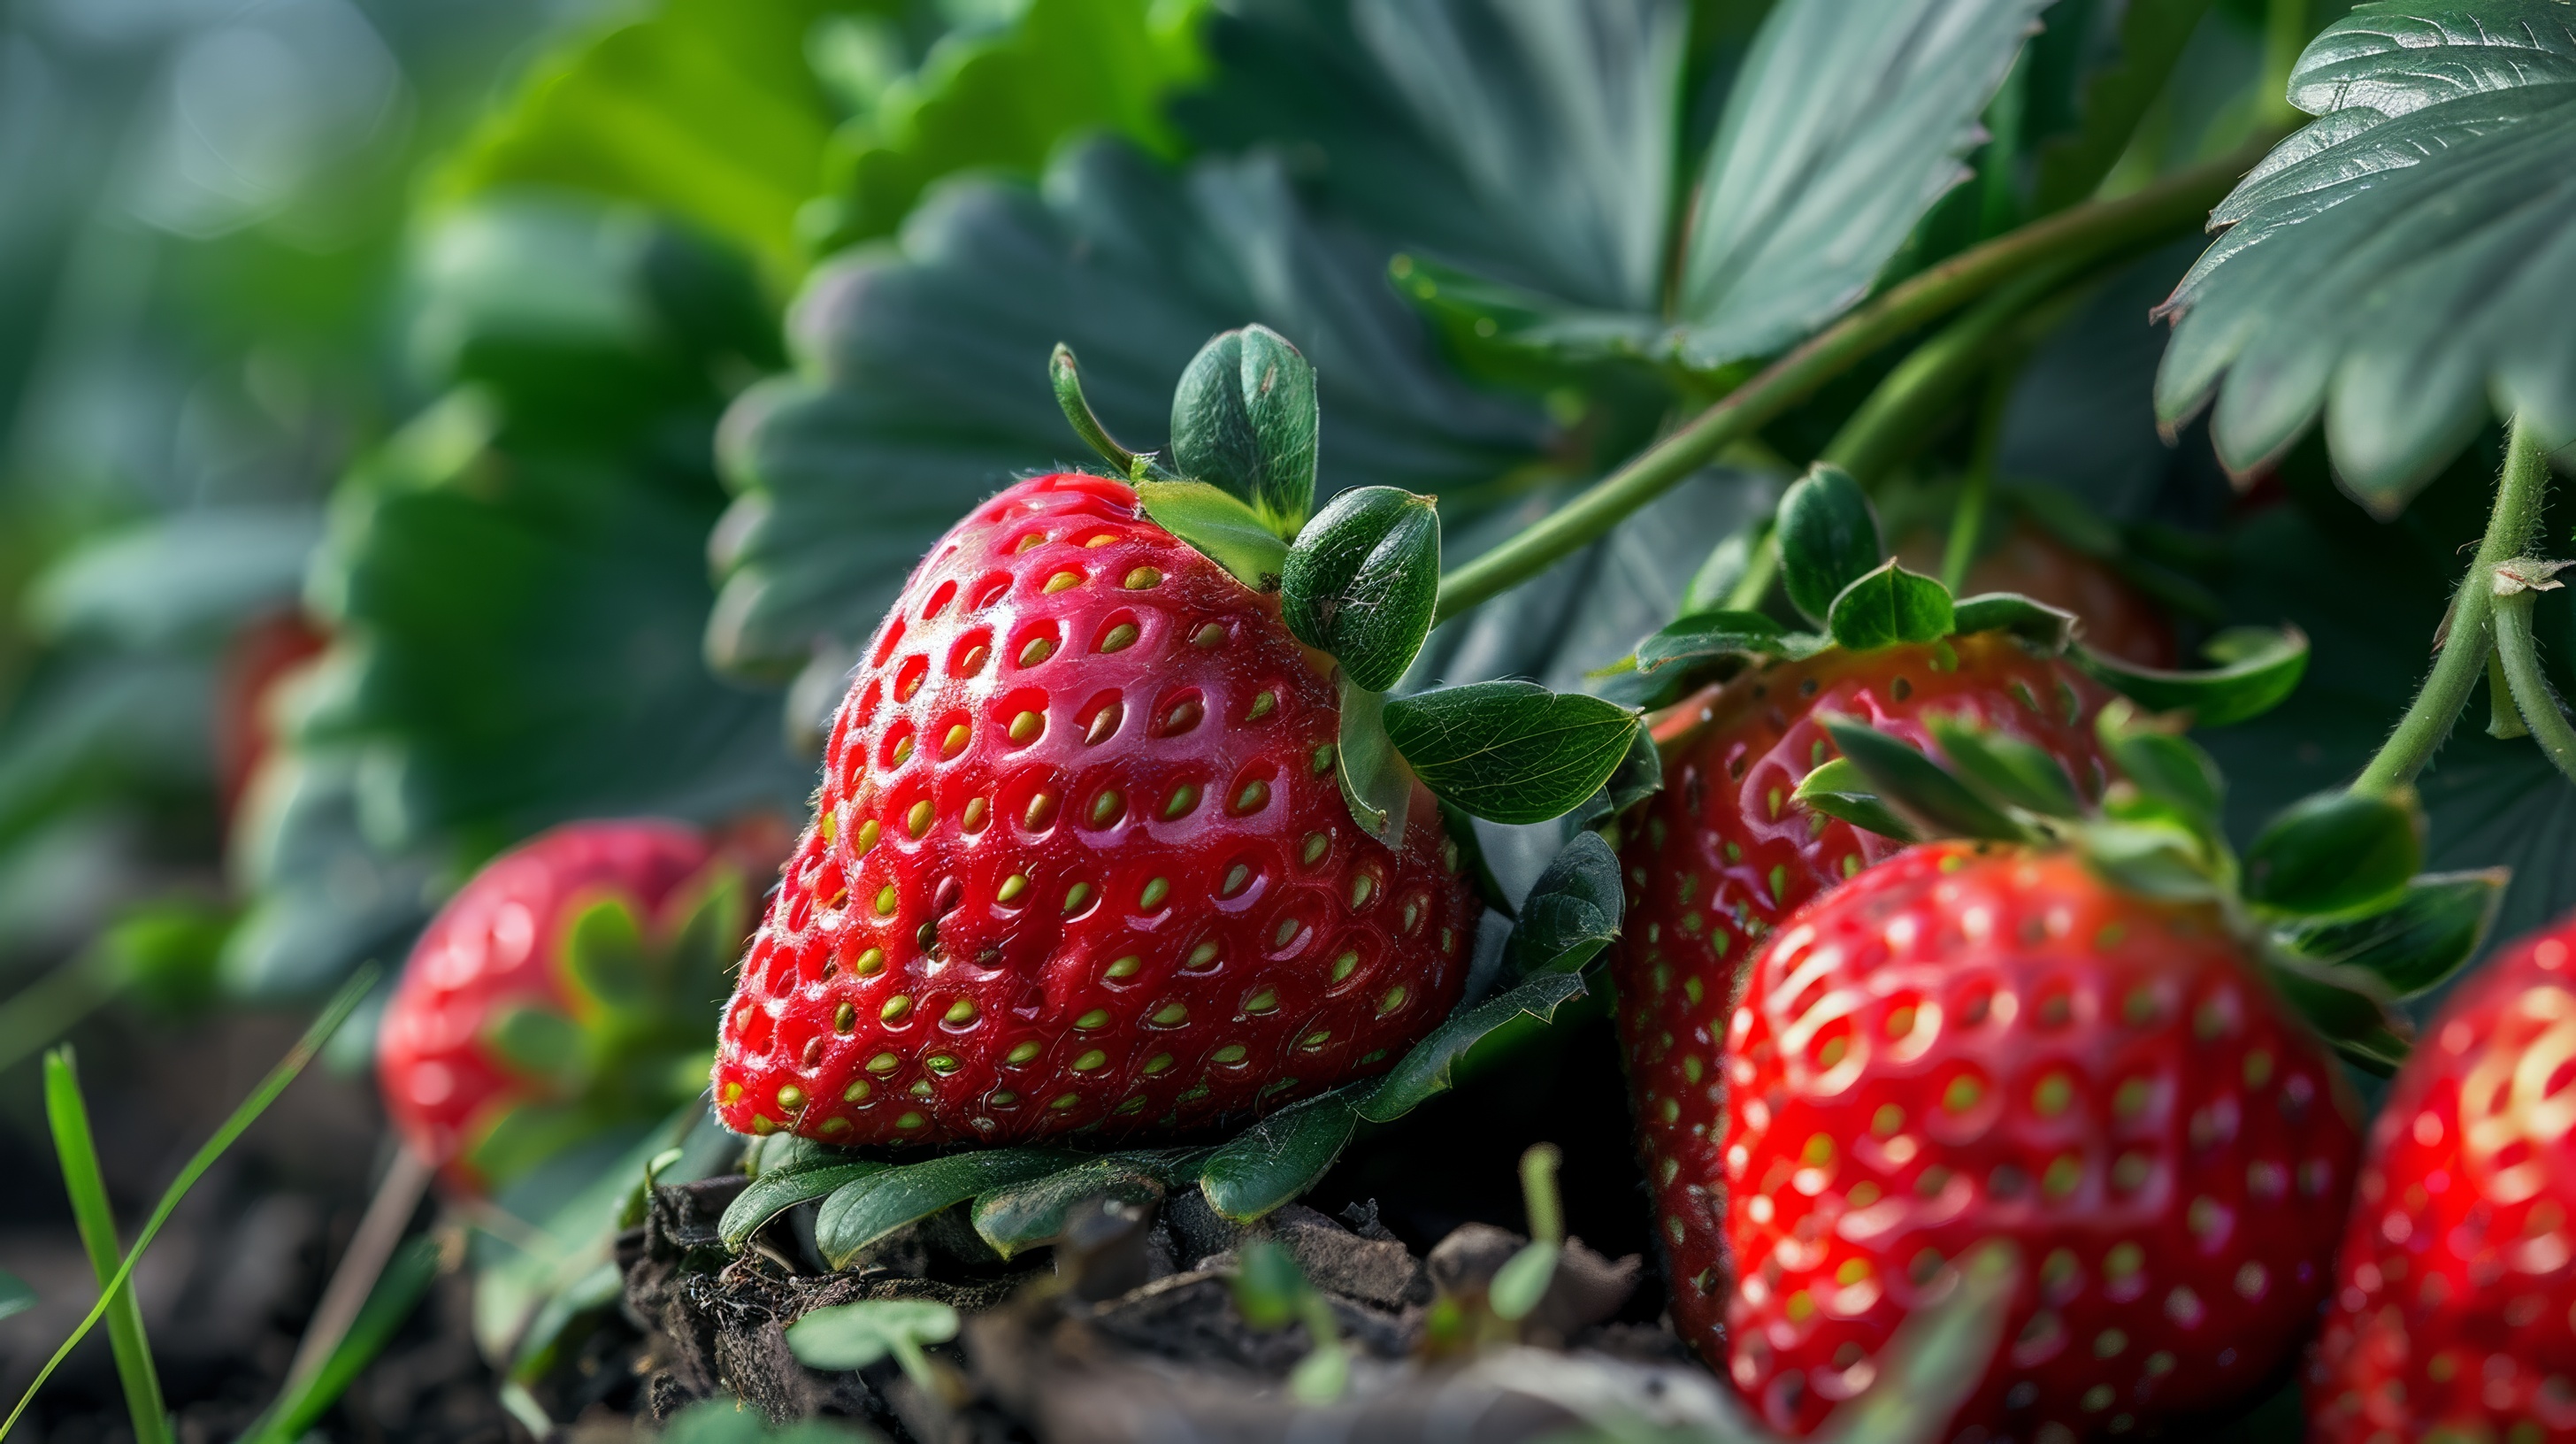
x=1223, y=528
x=1828, y=539
x=2041, y=625
x=2259, y=666
x=1426, y=1071
x=773, y=1193
x=1918, y=786
x=1280, y=1157
x=866, y=1209
x=1572, y=911
x=1362, y=581
x=1375, y=783
x=1706, y=636
x=2417, y=942
x=1511, y=752
x=1244, y=420
x=2401, y=259
x=1837, y=788
x=2332, y=853
x=1021, y=1216
x=1887, y=606
x=2018, y=772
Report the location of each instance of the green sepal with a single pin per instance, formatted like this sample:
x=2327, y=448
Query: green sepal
x=1020, y=1216
x=1064, y=374
x=1837, y=788
x=778, y=1189
x=1244, y=418
x=1375, y=783
x=1888, y=605
x=1828, y=539
x=2334, y=852
x=2155, y=852
x=539, y=1044
x=867, y=1209
x=1919, y=788
x=1363, y=579
x=2157, y=761
x=2008, y=768
x=2413, y=945
x=1428, y=1069
x=2045, y=629
x=1572, y=911
x=1511, y=752
x=1219, y=527
x=2349, y=1008
x=1709, y=636
x=606, y=958
x=1639, y=775
x=1280, y=1157
x=2258, y=667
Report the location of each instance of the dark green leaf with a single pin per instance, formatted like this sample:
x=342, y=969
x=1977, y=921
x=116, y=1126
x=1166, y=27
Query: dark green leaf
x=1375, y=783
x=1280, y=1157
x=1639, y=775
x=1362, y=581
x=1888, y=606
x=1021, y=1216
x=2349, y=1006
x=2041, y=625
x=192, y=577
x=1837, y=788
x=922, y=383
x=2153, y=855
x=1572, y=911
x=865, y=1210
x=2399, y=262
x=1707, y=637
x=2415, y=944
x=2161, y=763
x=1425, y=1072
x=2152, y=36
x=2332, y=853
x=777, y=1190
x=1917, y=787
x=1244, y=419
x=2258, y=667
x=1805, y=194
x=1828, y=539
x=2008, y=768
x=1512, y=752
x=1227, y=531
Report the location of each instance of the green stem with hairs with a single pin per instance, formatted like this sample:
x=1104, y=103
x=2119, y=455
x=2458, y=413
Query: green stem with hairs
x=2084, y=235
x=2532, y=696
x=2467, y=635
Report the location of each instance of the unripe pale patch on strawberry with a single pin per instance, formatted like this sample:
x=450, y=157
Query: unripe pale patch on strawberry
x=1108, y=837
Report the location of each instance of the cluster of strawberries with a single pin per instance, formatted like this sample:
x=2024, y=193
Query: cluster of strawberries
x=1085, y=862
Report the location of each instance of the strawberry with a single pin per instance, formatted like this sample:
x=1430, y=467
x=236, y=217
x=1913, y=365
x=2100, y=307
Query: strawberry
x=2452, y=1319
x=2089, y=1036
x=1080, y=859
x=565, y=992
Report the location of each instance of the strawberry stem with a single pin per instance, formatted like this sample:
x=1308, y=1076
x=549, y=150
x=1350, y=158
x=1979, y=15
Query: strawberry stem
x=2532, y=695
x=2469, y=632
x=2084, y=235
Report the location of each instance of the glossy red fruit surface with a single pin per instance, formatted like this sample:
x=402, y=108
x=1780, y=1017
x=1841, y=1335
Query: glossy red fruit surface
x=2452, y=1314
x=1974, y=1042
x=1081, y=860
x=1725, y=851
x=498, y=949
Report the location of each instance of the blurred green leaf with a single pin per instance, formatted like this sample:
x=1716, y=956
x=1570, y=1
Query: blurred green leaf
x=191, y=576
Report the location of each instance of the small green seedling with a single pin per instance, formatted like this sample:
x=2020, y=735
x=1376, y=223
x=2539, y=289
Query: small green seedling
x=1272, y=1293
x=853, y=1336
x=1523, y=1279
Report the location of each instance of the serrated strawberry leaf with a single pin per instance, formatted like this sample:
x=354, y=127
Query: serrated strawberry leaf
x=2258, y=666
x=1917, y=787
x=922, y=383
x=1510, y=752
x=1572, y=911
x=1362, y=581
x=2417, y=942
x=777, y=1190
x=2334, y=853
x=2049, y=629
x=867, y=1209
x=1838, y=788
x=1244, y=420
x=1280, y=1157
x=2401, y=263
x=1888, y=606
x=1828, y=539
x=1376, y=785
x=1221, y=527
x=1429, y=1069
x=1020, y=1216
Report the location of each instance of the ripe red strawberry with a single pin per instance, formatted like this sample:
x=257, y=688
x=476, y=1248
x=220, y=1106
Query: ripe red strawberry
x=1081, y=860
x=1726, y=851
x=2452, y=1319
x=567, y=991
x=1977, y=1041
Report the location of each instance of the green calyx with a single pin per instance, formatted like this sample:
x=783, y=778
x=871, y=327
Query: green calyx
x=1837, y=573
x=2326, y=896
x=643, y=997
x=1359, y=581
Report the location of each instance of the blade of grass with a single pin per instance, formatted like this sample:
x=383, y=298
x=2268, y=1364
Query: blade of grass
x=398, y=1290
x=233, y=1127
x=68, y=1113
x=353, y=1283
